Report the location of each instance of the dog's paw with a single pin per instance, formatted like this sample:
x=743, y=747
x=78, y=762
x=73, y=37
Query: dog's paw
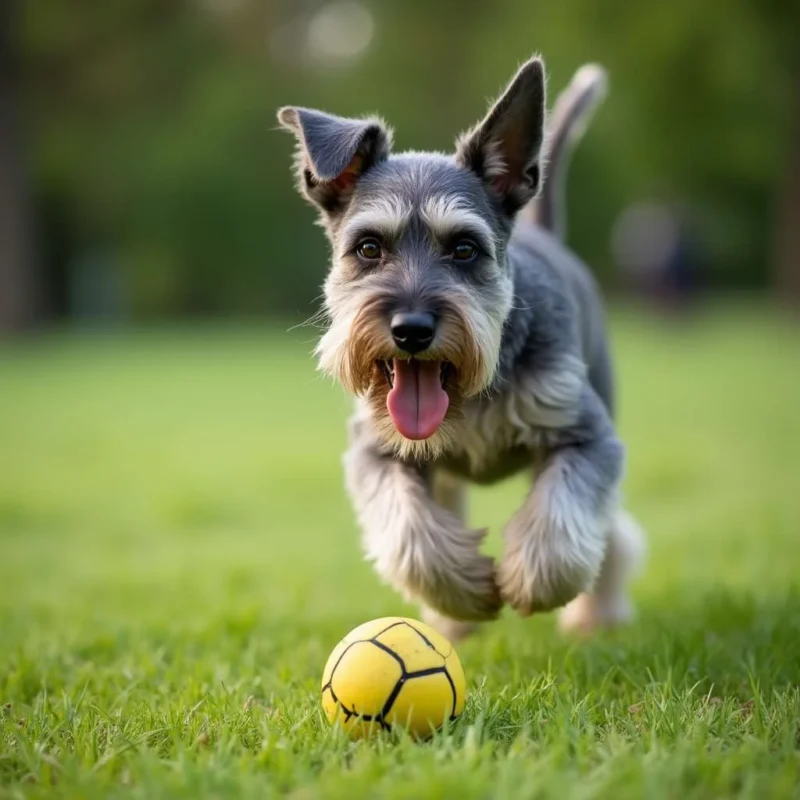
x=534, y=587
x=466, y=591
x=453, y=630
x=544, y=567
x=588, y=613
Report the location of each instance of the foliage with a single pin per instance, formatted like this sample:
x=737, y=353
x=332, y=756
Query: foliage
x=154, y=144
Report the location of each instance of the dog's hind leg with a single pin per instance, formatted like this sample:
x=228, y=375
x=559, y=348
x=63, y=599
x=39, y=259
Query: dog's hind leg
x=449, y=492
x=607, y=604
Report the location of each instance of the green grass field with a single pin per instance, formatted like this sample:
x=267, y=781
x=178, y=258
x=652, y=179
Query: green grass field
x=178, y=558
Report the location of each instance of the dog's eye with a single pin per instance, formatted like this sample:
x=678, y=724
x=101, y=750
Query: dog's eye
x=369, y=250
x=464, y=251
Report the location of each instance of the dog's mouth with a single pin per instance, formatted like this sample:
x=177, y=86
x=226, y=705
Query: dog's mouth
x=417, y=401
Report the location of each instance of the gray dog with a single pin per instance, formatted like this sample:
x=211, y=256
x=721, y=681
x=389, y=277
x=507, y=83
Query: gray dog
x=475, y=344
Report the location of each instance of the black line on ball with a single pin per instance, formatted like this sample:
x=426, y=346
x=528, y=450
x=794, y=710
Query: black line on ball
x=455, y=693
x=422, y=673
x=351, y=712
x=347, y=712
x=391, y=652
x=389, y=627
x=339, y=660
x=387, y=706
x=426, y=640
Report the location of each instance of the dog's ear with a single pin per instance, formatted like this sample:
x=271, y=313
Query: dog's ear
x=504, y=148
x=333, y=153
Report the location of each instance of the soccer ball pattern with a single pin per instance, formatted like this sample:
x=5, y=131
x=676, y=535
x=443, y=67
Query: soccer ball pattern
x=393, y=671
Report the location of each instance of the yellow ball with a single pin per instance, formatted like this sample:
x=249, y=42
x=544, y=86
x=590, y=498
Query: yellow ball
x=393, y=672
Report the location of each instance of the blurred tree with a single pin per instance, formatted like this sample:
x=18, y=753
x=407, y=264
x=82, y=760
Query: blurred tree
x=18, y=290
x=787, y=223
x=154, y=141
x=780, y=20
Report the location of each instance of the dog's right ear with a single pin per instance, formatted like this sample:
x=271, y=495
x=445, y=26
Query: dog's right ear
x=503, y=149
x=333, y=153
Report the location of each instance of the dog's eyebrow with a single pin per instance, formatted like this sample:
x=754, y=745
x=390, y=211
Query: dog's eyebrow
x=386, y=216
x=447, y=215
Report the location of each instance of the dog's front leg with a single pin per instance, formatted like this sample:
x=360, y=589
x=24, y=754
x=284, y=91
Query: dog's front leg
x=416, y=545
x=448, y=492
x=556, y=542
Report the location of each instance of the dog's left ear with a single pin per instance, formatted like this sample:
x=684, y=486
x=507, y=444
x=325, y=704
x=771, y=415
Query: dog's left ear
x=333, y=153
x=504, y=149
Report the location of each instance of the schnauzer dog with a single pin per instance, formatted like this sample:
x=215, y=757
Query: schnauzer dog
x=475, y=344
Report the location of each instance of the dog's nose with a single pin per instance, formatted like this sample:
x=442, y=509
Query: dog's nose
x=413, y=332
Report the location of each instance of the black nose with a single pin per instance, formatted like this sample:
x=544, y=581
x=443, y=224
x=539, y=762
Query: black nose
x=413, y=332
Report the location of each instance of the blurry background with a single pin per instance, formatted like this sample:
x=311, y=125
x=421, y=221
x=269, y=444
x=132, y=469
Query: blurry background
x=174, y=529
x=141, y=175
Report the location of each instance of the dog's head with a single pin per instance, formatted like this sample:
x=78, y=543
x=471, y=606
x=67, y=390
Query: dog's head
x=419, y=288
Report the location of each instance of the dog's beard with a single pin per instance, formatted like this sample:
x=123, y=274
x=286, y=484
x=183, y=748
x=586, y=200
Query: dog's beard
x=358, y=351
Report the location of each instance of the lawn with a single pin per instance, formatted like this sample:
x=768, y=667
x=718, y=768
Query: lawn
x=178, y=558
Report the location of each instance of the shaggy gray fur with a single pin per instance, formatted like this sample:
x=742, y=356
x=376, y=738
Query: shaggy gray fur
x=522, y=325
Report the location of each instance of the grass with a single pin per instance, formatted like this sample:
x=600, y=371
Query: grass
x=178, y=558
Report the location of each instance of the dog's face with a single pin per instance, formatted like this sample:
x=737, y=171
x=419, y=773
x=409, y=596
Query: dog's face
x=419, y=287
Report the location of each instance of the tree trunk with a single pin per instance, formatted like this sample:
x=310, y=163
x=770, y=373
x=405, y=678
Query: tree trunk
x=18, y=296
x=787, y=231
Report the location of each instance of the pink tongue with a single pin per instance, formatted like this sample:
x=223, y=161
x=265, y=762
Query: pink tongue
x=417, y=402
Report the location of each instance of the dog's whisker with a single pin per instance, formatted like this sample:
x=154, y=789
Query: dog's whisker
x=319, y=318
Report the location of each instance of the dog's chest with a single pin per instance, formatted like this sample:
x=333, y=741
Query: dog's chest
x=489, y=448
x=515, y=427
x=495, y=441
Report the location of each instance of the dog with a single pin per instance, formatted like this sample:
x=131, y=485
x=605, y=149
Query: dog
x=474, y=343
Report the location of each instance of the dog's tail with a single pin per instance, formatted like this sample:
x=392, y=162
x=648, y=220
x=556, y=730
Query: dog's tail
x=566, y=126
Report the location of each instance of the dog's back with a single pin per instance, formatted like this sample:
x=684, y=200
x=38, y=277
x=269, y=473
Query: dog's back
x=545, y=266
x=542, y=225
